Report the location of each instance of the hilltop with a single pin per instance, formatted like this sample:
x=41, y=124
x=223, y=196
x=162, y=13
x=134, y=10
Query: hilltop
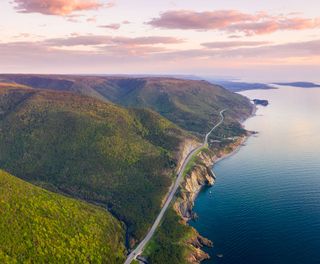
x=193, y=105
x=38, y=226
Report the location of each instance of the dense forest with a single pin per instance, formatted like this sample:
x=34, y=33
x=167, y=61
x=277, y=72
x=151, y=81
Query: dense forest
x=38, y=226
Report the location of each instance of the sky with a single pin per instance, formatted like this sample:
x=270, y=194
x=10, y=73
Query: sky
x=275, y=40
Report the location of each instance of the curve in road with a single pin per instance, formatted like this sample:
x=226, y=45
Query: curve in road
x=139, y=249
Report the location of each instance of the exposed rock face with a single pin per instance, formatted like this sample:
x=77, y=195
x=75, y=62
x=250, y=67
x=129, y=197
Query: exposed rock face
x=197, y=256
x=197, y=242
x=185, y=147
x=199, y=176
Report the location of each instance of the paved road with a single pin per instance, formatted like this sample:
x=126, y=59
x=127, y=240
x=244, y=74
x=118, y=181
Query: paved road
x=139, y=249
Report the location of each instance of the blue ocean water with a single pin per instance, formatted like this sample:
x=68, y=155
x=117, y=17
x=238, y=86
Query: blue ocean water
x=265, y=205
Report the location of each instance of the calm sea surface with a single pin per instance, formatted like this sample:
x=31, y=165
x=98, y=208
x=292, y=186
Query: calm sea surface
x=265, y=205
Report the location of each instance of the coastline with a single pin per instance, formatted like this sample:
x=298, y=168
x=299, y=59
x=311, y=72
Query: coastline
x=244, y=140
x=202, y=175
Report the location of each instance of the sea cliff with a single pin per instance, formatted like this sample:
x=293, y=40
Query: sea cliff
x=199, y=176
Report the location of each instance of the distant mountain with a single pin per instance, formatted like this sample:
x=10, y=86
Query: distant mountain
x=300, y=84
x=236, y=86
x=94, y=150
x=191, y=104
x=38, y=226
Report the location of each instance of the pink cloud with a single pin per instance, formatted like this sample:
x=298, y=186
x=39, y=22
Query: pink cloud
x=110, y=4
x=95, y=40
x=273, y=25
x=185, y=19
x=42, y=57
x=233, y=44
x=91, y=19
x=57, y=7
x=305, y=49
x=232, y=21
x=114, y=26
x=120, y=46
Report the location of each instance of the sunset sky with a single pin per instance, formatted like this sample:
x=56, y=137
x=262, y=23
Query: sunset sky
x=255, y=40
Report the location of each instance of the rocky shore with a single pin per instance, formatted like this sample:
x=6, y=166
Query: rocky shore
x=199, y=176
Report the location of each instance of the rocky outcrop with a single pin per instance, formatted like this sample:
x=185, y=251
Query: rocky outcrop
x=196, y=243
x=187, y=145
x=261, y=102
x=197, y=256
x=200, y=175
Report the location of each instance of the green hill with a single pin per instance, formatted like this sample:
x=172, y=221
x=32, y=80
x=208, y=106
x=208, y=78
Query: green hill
x=193, y=105
x=122, y=158
x=38, y=226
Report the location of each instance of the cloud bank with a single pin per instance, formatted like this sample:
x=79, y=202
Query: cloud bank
x=232, y=21
x=113, y=26
x=233, y=44
x=145, y=55
x=94, y=40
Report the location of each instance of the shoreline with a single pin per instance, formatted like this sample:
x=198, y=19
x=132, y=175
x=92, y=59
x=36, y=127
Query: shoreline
x=233, y=152
x=200, y=177
x=243, y=140
x=180, y=176
x=187, y=202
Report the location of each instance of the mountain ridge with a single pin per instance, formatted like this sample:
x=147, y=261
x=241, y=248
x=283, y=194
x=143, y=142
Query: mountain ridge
x=193, y=105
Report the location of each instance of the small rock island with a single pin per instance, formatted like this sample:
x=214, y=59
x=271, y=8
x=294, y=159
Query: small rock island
x=261, y=102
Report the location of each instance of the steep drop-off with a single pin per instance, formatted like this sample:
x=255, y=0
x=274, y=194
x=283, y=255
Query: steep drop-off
x=185, y=244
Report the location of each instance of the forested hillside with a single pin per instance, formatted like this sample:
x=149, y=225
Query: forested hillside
x=192, y=104
x=38, y=226
x=122, y=158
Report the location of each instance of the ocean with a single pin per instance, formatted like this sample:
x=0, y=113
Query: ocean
x=265, y=205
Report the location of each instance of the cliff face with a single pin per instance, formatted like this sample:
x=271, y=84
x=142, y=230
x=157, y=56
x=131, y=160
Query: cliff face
x=196, y=243
x=187, y=145
x=199, y=176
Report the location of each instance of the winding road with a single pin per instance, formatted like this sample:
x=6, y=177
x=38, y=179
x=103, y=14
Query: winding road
x=139, y=249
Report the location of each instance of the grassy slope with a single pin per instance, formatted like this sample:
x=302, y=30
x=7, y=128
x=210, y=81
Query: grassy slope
x=39, y=226
x=193, y=105
x=89, y=149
